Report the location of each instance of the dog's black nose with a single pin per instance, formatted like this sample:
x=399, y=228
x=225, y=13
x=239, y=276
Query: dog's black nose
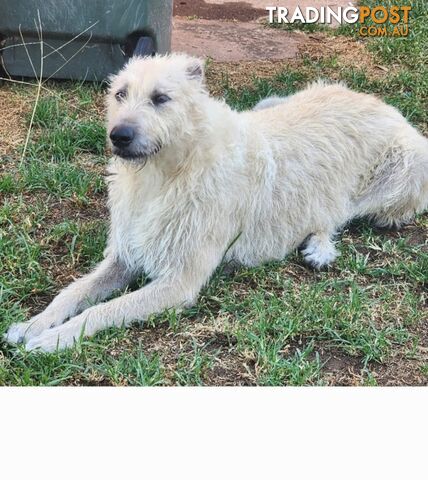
x=122, y=135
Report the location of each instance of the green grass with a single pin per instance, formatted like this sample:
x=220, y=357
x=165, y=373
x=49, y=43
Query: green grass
x=61, y=145
x=61, y=180
x=278, y=324
x=63, y=135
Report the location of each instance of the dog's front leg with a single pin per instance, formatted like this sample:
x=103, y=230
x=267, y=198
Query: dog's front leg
x=154, y=298
x=109, y=275
x=174, y=290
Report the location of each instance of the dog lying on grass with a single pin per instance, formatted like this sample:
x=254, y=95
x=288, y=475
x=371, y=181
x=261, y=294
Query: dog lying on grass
x=193, y=182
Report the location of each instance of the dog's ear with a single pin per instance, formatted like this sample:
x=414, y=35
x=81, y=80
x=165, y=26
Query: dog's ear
x=195, y=69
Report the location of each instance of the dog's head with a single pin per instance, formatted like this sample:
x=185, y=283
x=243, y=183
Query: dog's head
x=152, y=103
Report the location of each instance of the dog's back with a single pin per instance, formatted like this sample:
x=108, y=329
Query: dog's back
x=345, y=140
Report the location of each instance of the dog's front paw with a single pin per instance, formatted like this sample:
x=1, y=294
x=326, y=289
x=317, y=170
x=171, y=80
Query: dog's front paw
x=61, y=337
x=16, y=333
x=57, y=338
x=20, y=332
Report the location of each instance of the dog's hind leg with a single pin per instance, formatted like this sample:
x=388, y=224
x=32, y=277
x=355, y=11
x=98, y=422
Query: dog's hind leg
x=319, y=250
x=110, y=274
x=399, y=187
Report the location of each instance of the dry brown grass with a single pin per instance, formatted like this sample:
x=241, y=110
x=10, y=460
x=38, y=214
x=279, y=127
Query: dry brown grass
x=14, y=109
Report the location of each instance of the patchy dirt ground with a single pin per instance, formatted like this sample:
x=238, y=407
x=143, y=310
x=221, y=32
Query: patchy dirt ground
x=242, y=11
x=317, y=46
x=239, y=42
x=235, y=31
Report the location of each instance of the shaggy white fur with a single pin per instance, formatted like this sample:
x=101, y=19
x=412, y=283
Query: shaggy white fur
x=269, y=102
x=198, y=181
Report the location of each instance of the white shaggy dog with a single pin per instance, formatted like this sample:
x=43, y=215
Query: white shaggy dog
x=194, y=181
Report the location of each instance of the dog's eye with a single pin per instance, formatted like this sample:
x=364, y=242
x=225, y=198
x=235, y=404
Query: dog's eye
x=120, y=95
x=160, y=98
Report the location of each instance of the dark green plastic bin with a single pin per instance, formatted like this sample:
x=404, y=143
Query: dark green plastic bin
x=82, y=39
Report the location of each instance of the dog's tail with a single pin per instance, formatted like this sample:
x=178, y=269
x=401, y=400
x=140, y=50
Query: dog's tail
x=269, y=102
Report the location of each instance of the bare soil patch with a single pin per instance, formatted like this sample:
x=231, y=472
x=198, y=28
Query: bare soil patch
x=232, y=41
x=241, y=11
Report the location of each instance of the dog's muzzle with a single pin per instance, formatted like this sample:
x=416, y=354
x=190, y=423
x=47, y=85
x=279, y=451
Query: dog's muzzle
x=126, y=145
